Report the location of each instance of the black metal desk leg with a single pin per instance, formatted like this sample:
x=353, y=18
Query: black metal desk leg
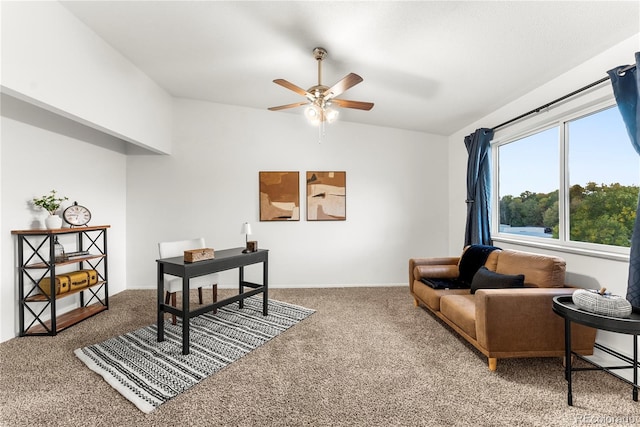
x=241, y=286
x=160, y=286
x=567, y=355
x=185, y=315
x=265, y=283
x=635, y=368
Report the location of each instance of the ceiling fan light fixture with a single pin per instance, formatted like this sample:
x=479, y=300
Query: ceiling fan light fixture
x=331, y=115
x=313, y=114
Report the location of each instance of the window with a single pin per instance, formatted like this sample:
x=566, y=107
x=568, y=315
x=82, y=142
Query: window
x=529, y=171
x=573, y=183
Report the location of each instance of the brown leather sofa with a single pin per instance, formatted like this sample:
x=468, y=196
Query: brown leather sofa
x=503, y=323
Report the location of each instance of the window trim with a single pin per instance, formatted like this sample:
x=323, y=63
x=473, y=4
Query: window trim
x=540, y=123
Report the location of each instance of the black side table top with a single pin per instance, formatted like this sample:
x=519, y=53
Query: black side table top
x=564, y=306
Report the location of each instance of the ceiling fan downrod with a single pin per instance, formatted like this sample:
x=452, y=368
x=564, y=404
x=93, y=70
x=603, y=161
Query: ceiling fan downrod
x=319, y=54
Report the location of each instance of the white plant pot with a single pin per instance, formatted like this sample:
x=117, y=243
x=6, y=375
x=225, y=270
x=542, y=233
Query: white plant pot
x=53, y=221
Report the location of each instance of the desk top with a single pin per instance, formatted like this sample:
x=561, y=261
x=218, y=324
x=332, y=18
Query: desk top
x=218, y=255
x=564, y=306
x=224, y=259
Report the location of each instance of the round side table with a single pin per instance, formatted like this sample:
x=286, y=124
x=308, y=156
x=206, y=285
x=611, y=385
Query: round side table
x=564, y=307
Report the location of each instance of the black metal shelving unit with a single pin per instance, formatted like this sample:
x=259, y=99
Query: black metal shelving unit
x=36, y=260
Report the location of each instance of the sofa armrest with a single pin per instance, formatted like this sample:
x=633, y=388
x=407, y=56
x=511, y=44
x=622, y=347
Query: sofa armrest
x=522, y=320
x=437, y=268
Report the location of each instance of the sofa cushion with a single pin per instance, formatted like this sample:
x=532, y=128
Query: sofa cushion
x=492, y=260
x=540, y=271
x=461, y=310
x=431, y=297
x=485, y=279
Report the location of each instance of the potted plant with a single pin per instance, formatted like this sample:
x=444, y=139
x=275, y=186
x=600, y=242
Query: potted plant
x=51, y=203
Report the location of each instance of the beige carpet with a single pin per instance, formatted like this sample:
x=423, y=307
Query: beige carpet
x=367, y=357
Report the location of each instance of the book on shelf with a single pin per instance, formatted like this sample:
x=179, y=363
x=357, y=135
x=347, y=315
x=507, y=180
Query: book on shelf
x=75, y=255
x=71, y=258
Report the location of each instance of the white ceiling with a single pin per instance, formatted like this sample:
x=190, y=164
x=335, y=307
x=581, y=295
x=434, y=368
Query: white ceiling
x=431, y=66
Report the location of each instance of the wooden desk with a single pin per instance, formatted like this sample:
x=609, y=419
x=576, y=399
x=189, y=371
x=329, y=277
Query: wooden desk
x=564, y=307
x=226, y=259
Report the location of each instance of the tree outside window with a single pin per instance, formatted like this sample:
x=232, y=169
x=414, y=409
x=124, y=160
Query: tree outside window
x=599, y=181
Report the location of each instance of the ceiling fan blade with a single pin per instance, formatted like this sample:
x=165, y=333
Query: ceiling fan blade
x=347, y=82
x=353, y=104
x=283, y=107
x=291, y=86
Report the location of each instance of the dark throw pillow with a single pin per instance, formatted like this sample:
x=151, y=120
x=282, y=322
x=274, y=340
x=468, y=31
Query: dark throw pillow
x=487, y=279
x=445, y=283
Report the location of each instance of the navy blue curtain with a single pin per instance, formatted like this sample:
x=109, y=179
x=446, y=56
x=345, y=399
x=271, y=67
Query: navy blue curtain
x=625, y=88
x=478, y=187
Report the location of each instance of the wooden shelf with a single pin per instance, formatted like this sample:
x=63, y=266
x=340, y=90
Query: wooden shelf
x=45, y=298
x=60, y=230
x=70, y=318
x=68, y=262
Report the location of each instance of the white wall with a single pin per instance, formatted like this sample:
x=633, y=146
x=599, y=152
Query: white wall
x=39, y=152
x=396, y=195
x=583, y=271
x=209, y=186
x=69, y=101
x=51, y=59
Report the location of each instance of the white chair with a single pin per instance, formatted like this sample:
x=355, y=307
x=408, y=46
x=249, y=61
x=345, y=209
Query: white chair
x=173, y=284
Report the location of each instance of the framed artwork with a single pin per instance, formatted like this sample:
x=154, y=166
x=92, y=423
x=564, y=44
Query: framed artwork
x=326, y=196
x=279, y=196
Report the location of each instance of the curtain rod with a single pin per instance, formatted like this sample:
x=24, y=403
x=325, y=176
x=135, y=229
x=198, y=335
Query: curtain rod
x=562, y=98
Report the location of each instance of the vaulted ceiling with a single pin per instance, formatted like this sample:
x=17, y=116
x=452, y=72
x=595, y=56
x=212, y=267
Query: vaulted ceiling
x=431, y=66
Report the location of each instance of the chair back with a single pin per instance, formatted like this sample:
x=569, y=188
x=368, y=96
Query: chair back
x=177, y=248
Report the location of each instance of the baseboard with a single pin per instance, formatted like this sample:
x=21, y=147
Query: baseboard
x=301, y=286
x=358, y=285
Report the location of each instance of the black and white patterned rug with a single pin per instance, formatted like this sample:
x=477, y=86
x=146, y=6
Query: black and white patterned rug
x=149, y=373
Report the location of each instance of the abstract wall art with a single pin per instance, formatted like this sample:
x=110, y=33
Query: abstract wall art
x=326, y=196
x=279, y=196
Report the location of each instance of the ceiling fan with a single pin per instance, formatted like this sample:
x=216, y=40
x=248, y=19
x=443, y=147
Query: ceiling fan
x=320, y=98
